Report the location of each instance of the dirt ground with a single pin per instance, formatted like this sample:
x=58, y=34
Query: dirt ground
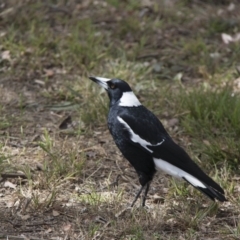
x=62, y=177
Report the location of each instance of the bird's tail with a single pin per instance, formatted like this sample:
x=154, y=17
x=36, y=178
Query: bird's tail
x=213, y=191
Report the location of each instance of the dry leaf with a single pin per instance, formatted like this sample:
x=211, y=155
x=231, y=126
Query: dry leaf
x=178, y=77
x=226, y=38
x=10, y=185
x=48, y=231
x=67, y=227
x=173, y=122
x=147, y=3
x=40, y=82
x=60, y=71
x=236, y=37
x=206, y=142
x=91, y=154
x=25, y=217
x=236, y=84
x=10, y=204
x=6, y=55
x=49, y=72
x=55, y=213
x=2, y=34
x=231, y=7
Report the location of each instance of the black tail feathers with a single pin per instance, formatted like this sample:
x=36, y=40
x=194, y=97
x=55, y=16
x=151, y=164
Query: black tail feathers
x=212, y=193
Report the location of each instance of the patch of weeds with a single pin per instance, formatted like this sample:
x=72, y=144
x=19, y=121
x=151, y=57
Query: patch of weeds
x=179, y=189
x=2, y=158
x=234, y=56
x=6, y=157
x=185, y=2
x=95, y=109
x=197, y=53
x=220, y=25
x=223, y=176
x=156, y=236
x=4, y=124
x=82, y=46
x=223, y=149
x=40, y=40
x=219, y=109
x=94, y=229
x=204, y=58
x=114, y=3
x=200, y=214
x=133, y=5
x=137, y=48
x=42, y=202
x=28, y=173
x=213, y=118
x=194, y=46
x=170, y=16
x=94, y=198
x=127, y=26
x=62, y=164
x=191, y=234
x=135, y=233
x=235, y=231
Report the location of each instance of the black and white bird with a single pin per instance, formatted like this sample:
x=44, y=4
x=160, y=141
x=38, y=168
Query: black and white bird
x=145, y=143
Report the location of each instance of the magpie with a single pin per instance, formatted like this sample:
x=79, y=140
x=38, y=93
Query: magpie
x=144, y=142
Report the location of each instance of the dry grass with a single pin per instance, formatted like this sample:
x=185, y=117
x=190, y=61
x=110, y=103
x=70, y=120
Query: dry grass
x=62, y=177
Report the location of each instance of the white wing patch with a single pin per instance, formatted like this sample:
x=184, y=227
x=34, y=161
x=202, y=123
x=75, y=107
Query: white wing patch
x=177, y=172
x=136, y=138
x=129, y=99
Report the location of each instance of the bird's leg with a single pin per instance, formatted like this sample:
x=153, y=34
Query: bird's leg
x=137, y=195
x=145, y=194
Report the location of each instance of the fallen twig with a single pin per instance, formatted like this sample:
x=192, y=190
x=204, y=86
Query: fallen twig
x=13, y=175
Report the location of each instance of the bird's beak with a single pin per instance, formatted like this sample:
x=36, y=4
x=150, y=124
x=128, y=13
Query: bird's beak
x=101, y=81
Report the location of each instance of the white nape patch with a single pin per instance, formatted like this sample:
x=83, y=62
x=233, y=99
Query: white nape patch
x=136, y=138
x=177, y=172
x=103, y=82
x=129, y=99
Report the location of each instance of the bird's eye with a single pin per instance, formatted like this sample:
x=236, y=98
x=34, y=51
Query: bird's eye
x=112, y=86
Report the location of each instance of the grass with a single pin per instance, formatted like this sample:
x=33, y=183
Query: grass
x=178, y=66
x=217, y=119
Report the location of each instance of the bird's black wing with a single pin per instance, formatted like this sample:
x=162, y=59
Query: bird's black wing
x=144, y=124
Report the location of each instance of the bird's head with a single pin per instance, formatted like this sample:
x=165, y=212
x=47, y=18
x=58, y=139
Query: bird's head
x=118, y=91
